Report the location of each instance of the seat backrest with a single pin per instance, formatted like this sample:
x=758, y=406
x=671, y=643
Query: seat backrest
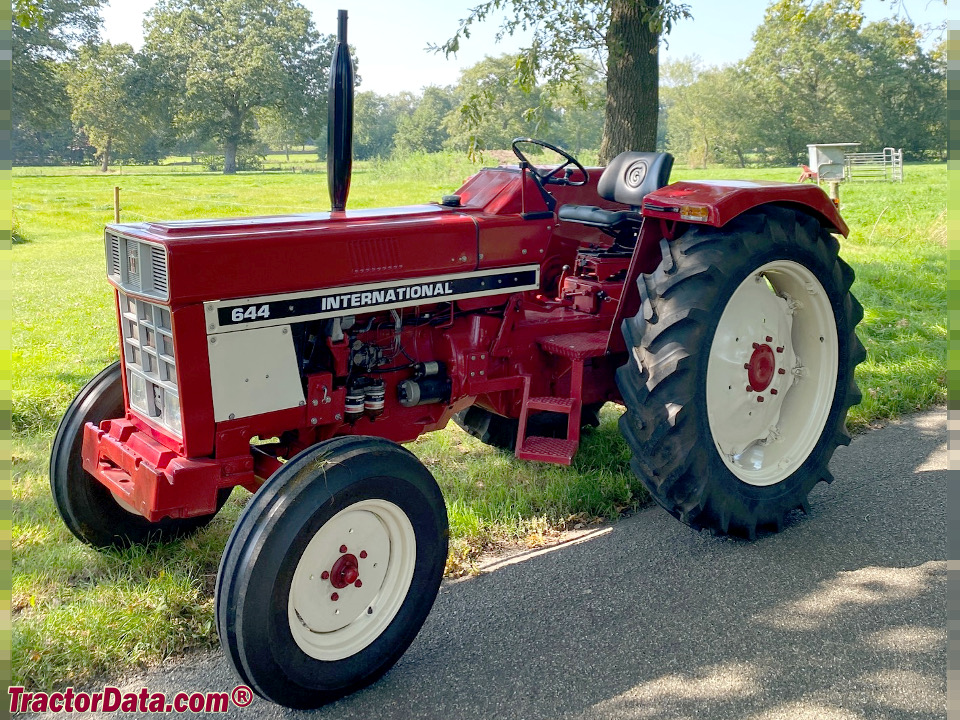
x=632, y=175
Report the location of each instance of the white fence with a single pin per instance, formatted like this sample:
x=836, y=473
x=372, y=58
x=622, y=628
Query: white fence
x=886, y=165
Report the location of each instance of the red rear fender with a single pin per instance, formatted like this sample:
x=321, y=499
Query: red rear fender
x=717, y=202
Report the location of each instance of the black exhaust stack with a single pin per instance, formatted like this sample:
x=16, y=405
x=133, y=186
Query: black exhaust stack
x=340, y=120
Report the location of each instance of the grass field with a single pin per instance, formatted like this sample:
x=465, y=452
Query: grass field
x=81, y=613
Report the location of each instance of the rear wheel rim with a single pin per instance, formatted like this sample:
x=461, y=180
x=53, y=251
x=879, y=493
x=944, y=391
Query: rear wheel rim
x=766, y=421
x=352, y=579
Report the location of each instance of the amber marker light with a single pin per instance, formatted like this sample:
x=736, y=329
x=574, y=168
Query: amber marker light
x=694, y=213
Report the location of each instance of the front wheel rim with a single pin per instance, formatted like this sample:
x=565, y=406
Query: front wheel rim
x=352, y=579
x=772, y=372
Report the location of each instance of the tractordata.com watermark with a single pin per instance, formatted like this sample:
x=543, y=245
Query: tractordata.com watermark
x=113, y=699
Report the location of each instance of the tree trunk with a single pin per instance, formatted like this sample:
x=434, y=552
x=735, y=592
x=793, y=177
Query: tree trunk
x=230, y=157
x=105, y=157
x=633, y=78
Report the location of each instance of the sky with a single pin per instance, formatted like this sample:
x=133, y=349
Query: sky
x=390, y=36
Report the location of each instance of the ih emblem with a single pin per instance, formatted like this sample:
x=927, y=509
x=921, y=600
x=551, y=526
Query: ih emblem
x=132, y=260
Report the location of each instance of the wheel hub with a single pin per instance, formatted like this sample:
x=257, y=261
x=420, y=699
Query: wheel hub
x=336, y=612
x=761, y=368
x=345, y=571
x=765, y=405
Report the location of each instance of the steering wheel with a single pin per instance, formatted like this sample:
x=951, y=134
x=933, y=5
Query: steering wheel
x=550, y=177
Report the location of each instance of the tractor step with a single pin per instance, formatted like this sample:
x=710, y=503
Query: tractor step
x=546, y=449
x=576, y=346
x=553, y=404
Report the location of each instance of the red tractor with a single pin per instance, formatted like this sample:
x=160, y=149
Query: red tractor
x=292, y=355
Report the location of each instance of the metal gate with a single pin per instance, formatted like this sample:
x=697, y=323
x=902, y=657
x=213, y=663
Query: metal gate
x=886, y=165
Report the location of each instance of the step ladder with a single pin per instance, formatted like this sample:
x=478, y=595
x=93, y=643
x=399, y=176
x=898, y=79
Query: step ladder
x=576, y=347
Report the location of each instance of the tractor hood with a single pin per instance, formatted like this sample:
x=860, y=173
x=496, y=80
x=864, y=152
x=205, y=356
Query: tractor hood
x=241, y=257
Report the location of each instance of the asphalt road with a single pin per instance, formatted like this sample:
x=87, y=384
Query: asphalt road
x=840, y=616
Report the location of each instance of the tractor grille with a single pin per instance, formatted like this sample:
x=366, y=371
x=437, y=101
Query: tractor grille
x=151, y=371
x=137, y=267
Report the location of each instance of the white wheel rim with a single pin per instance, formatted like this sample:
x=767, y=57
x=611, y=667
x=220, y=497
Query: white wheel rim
x=332, y=622
x=781, y=311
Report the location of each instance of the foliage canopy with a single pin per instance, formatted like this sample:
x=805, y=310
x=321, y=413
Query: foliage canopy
x=572, y=39
x=225, y=61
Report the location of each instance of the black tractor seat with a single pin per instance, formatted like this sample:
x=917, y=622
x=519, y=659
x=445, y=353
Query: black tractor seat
x=598, y=217
x=628, y=178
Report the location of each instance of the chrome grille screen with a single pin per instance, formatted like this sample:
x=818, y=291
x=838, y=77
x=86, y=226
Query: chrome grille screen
x=151, y=371
x=137, y=266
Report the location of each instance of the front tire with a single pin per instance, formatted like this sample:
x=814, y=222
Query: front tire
x=331, y=571
x=87, y=507
x=742, y=370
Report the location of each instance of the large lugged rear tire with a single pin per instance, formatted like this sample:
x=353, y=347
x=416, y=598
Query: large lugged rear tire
x=88, y=509
x=742, y=370
x=331, y=571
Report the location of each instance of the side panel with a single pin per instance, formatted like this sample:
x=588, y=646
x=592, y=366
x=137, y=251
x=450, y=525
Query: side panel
x=253, y=372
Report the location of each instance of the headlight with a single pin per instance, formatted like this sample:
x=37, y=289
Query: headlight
x=170, y=414
x=138, y=393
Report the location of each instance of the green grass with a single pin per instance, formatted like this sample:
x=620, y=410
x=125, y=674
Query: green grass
x=81, y=613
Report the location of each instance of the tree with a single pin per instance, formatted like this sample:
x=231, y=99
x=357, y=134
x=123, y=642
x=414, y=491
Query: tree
x=713, y=114
x=620, y=38
x=423, y=129
x=692, y=128
x=103, y=107
x=278, y=131
x=45, y=33
x=375, y=119
x=802, y=59
x=494, y=109
x=826, y=77
x=580, y=111
x=233, y=58
x=899, y=97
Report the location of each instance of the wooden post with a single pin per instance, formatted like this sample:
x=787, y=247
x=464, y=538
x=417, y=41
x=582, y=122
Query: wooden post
x=834, y=192
x=116, y=204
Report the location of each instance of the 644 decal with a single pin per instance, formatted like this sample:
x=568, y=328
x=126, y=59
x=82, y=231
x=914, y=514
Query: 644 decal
x=251, y=312
x=337, y=302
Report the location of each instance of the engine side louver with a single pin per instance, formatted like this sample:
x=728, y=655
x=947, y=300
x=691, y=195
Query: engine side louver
x=113, y=257
x=137, y=267
x=158, y=267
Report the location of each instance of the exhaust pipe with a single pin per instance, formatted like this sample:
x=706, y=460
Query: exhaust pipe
x=340, y=120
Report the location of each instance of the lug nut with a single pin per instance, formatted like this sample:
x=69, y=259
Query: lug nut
x=769, y=339
x=780, y=349
x=773, y=391
x=358, y=584
x=746, y=366
x=324, y=575
x=781, y=371
x=759, y=398
x=756, y=345
x=335, y=597
x=343, y=548
x=749, y=388
x=363, y=554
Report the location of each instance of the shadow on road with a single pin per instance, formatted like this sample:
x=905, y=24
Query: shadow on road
x=841, y=616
